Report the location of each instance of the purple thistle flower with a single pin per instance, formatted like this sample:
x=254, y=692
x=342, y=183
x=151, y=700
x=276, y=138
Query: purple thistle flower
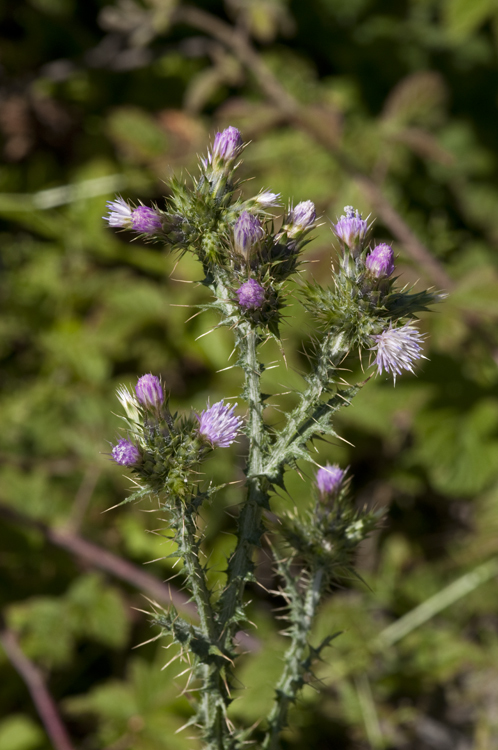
x=142, y=219
x=125, y=453
x=351, y=228
x=380, y=262
x=396, y=349
x=218, y=425
x=247, y=232
x=227, y=145
x=146, y=220
x=149, y=391
x=251, y=295
x=329, y=479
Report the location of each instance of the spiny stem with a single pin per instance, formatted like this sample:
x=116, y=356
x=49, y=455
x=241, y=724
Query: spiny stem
x=214, y=695
x=332, y=352
x=250, y=527
x=303, y=609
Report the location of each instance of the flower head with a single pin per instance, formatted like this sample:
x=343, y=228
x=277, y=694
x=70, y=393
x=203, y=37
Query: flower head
x=218, y=425
x=142, y=219
x=125, y=453
x=149, y=391
x=227, y=145
x=397, y=349
x=380, y=262
x=351, y=228
x=247, y=232
x=251, y=295
x=329, y=479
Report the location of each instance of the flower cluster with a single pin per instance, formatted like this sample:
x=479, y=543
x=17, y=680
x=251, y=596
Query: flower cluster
x=247, y=264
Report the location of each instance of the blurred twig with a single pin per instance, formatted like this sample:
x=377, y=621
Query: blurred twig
x=45, y=704
x=435, y=604
x=60, y=196
x=315, y=126
x=104, y=560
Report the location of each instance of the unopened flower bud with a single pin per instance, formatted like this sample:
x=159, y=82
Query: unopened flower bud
x=149, y=391
x=227, y=145
x=329, y=479
x=247, y=233
x=351, y=228
x=303, y=215
x=380, y=262
x=251, y=295
x=125, y=453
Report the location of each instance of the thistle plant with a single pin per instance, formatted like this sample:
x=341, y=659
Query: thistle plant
x=362, y=313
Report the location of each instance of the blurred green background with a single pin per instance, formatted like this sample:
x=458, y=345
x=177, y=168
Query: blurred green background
x=99, y=98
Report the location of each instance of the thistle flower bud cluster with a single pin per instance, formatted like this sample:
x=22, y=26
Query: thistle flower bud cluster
x=247, y=265
x=164, y=447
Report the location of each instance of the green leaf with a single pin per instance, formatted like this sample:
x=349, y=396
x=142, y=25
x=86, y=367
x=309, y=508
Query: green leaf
x=19, y=732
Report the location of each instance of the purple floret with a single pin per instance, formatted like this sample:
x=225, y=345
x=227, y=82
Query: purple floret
x=329, y=479
x=150, y=391
x=251, y=295
x=380, y=262
x=397, y=349
x=145, y=220
x=218, y=425
x=125, y=453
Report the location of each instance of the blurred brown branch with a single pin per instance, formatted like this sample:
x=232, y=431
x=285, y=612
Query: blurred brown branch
x=316, y=126
x=45, y=704
x=100, y=558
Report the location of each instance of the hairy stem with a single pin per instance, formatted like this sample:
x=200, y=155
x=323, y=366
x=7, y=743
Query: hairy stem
x=303, y=606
